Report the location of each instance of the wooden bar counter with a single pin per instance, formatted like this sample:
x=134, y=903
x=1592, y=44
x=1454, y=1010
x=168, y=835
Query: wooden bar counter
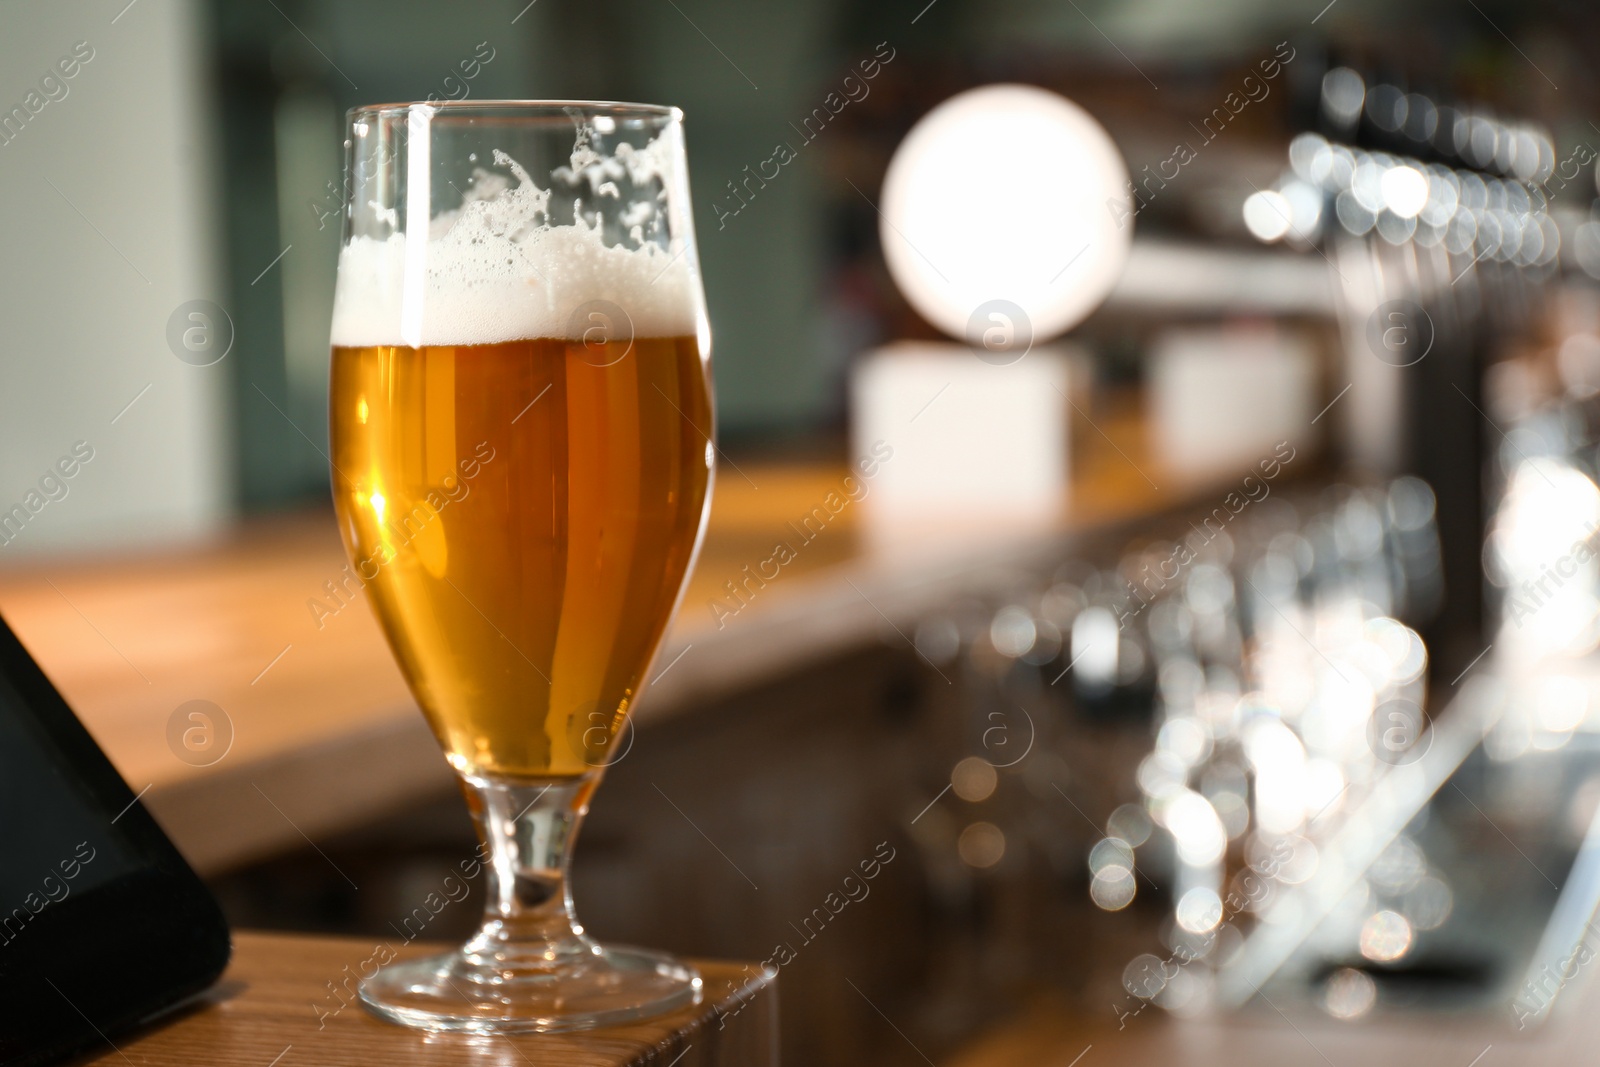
x=1044, y=1034
x=306, y=727
x=276, y=1007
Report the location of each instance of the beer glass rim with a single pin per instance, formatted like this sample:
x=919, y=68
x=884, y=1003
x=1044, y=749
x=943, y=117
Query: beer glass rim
x=536, y=110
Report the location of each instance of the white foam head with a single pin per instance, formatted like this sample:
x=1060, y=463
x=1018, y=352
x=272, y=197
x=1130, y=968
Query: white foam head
x=495, y=270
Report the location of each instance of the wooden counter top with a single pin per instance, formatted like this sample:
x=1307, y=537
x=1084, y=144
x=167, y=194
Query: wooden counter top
x=317, y=732
x=274, y=1006
x=1045, y=1034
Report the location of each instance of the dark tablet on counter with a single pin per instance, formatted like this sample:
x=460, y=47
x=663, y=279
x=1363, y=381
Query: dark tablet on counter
x=103, y=926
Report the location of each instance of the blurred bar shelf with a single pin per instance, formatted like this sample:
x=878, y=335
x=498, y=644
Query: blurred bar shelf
x=324, y=735
x=1180, y=276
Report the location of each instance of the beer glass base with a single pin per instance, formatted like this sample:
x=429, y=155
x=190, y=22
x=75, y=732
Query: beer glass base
x=612, y=984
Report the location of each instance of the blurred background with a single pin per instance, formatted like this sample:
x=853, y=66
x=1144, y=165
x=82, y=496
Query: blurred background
x=1262, y=682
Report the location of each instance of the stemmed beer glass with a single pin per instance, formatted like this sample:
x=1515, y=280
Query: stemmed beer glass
x=521, y=430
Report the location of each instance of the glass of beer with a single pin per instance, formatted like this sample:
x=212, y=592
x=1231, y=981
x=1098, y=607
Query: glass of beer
x=522, y=454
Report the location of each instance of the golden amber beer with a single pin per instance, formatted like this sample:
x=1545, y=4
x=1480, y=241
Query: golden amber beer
x=523, y=515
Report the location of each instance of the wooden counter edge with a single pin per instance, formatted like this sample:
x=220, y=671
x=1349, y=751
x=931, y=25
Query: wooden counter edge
x=288, y=1000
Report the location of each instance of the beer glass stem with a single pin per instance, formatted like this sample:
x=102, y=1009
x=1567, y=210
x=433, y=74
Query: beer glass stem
x=528, y=829
x=530, y=966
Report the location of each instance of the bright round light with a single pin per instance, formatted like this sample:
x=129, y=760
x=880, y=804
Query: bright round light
x=1145, y=975
x=1349, y=994
x=1113, y=888
x=981, y=844
x=974, y=779
x=1185, y=738
x=1343, y=92
x=1006, y=193
x=1405, y=191
x=1385, y=936
x=1305, y=208
x=1199, y=910
x=1429, y=903
x=1110, y=852
x=1267, y=215
x=1196, y=831
x=1129, y=823
x=1096, y=640
x=1013, y=632
x=1579, y=363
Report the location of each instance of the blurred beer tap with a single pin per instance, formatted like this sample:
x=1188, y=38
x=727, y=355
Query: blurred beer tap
x=1436, y=227
x=1290, y=680
x=1184, y=729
